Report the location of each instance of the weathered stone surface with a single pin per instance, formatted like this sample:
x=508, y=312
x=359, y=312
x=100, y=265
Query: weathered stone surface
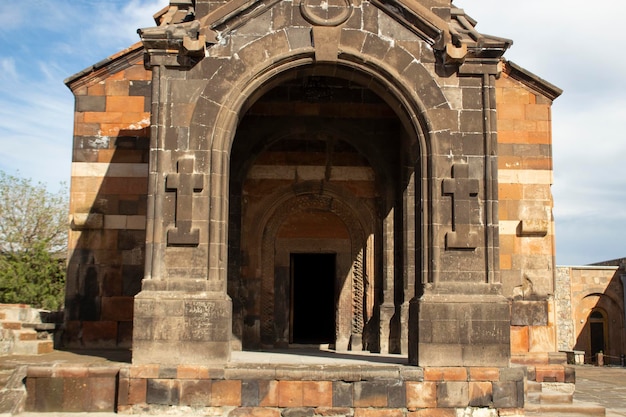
x=406, y=152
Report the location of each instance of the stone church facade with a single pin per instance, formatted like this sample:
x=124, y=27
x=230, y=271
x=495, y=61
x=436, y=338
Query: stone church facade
x=263, y=174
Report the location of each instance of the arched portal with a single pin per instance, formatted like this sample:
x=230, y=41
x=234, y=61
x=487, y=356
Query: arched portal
x=315, y=170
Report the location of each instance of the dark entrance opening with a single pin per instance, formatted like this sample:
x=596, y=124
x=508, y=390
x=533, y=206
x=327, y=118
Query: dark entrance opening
x=596, y=327
x=313, y=298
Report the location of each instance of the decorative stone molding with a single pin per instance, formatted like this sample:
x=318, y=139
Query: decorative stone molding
x=174, y=45
x=326, y=12
x=533, y=227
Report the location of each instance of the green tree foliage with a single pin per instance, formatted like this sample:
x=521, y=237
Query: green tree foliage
x=33, y=241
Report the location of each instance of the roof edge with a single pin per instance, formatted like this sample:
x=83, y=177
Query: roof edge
x=112, y=64
x=531, y=80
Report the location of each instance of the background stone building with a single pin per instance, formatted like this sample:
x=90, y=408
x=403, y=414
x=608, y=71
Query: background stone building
x=590, y=310
x=384, y=149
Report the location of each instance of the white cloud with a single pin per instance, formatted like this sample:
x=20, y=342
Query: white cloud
x=7, y=69
x=574, y=47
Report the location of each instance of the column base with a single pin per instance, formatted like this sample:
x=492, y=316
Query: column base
x=171, y=328
x=462, y=330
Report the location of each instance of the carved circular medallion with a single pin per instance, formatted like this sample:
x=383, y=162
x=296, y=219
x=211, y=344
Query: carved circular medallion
x=326, y=12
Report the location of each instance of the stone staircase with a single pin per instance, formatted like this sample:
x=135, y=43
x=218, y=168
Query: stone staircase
x=557, y=400
x=12, y=391
x=22, y=331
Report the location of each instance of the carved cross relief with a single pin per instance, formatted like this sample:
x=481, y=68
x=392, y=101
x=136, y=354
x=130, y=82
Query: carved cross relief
x=464, y=193
x=184, y=182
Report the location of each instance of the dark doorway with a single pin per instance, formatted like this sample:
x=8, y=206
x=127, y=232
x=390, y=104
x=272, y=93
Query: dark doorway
x=596, y=327
x=312, y=298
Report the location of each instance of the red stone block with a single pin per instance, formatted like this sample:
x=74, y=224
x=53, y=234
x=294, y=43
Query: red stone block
x=117, y=308
x=144, y=371
x=123, y=389
x=421, y=395
x=433, y=412
x=317, y=393
x=332, y=411
x=445, y=374
x=195, y=392
x=102, y=394
x=137, y=390
x=550, y=374
x=519, y=339
x=192, y=372
x=484, y=374
x=96, y=89
x=254, y=412
x=290, y=394
x=28, y=336
x=76, y=394
x=45, y=347
x=12, y=325
x=99, y=333
x=226, y=393
x=378, y=412
x=138, y=72
x=124, y=104
x=268, y=393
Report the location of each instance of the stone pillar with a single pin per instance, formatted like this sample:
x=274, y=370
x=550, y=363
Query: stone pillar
x=387, y=308
x=183, y=313
x=462, y=317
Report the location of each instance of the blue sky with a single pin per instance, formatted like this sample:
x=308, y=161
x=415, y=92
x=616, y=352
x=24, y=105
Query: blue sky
x=570, y=44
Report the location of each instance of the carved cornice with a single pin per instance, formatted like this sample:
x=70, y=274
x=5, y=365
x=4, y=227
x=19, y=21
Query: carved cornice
x=177, y=45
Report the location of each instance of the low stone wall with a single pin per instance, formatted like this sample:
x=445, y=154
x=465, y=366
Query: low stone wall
x=280, y=390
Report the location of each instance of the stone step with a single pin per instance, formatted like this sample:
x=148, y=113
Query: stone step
x=11, y=325
x=13, y=392
x=24, y=335
x=550, y=398
x=576, y=409
x=19, y=312
x=33, y=347
x=4, y=377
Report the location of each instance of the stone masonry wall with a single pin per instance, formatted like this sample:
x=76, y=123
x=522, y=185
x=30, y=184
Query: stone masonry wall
x=108, y=200
x=284, y=390
x=525, y=215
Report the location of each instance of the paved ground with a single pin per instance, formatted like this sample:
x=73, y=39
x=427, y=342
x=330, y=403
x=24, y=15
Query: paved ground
x=605, y=386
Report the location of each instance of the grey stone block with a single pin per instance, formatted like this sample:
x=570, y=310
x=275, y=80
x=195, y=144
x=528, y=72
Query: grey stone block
x=452, y=394
x=90, y=103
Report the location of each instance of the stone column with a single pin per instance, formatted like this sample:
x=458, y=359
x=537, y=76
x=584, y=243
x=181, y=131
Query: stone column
x=387, y=308
x=183, y=314
x=462, y=317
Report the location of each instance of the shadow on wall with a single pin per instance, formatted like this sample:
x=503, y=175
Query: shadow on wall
x=107, y=238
